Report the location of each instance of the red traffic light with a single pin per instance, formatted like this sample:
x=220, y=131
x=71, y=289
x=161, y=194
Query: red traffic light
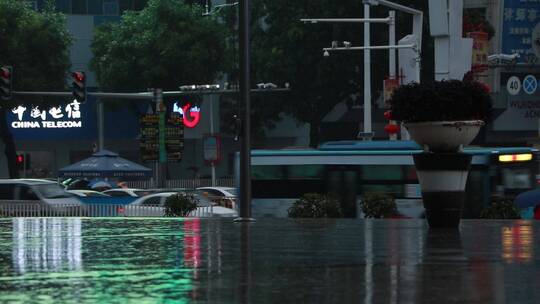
x=4, y=72
x=20, y=158
x=78, y=76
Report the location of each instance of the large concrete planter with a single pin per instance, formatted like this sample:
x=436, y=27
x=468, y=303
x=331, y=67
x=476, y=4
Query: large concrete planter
x=443, y=177
x=444, y=136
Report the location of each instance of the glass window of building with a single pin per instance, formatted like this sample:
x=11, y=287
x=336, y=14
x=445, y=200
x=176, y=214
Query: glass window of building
x=79, y=7
x=110, y=7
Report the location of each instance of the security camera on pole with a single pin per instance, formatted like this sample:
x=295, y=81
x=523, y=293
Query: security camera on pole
x=409, y=48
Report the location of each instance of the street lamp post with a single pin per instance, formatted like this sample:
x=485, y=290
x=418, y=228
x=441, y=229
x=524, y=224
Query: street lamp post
x=245, y=150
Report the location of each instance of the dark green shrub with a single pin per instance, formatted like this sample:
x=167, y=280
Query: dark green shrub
x=501, y=209
x=378, y=205
x=315, y=205
x=180, y=204
x=447, y=100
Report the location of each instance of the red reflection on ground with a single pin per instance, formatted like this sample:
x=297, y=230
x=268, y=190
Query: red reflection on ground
x=192, y=243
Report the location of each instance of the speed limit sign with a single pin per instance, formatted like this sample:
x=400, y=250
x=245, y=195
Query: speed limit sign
x=513, y=85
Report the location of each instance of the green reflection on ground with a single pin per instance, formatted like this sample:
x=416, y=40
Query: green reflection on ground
x=68, y=260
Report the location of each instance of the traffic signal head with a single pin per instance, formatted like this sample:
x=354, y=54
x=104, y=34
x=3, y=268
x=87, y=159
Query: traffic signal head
x=78, y=86
x=6, y=83
x=19, y=161
x=22, y=161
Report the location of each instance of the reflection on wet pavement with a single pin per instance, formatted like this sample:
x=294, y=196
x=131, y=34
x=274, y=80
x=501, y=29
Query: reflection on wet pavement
x=54, y=260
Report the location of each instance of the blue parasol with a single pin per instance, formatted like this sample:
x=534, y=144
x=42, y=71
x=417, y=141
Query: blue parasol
x=106, y=164
x=528, y=199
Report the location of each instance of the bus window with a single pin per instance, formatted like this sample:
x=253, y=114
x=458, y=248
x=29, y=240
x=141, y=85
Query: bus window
x=370, y=172
x=518, y=178
x=305, y=171
x=267, y=172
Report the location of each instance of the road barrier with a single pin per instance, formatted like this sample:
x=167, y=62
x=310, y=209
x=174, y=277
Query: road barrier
x=37, y=209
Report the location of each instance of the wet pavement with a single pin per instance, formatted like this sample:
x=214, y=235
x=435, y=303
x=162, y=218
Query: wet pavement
x=68, y=260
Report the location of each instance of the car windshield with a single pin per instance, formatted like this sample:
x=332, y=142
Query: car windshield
x=232, y=191
x=52, y=191
x=142, y=193
x=96, y=194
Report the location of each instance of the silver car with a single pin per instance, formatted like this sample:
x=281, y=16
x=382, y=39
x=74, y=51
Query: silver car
x=35, y=197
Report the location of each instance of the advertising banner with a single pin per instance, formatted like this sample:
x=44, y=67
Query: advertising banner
x=479, y=52
x=521, y=29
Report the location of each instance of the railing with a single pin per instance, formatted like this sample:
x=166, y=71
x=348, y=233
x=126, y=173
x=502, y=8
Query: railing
x=37, y=209
x=183, y=183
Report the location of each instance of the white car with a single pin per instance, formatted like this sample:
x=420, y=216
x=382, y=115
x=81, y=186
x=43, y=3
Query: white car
x=152, y=205
x=22, y=197
x=224, y=196
x=124, y=192
x=220, y=191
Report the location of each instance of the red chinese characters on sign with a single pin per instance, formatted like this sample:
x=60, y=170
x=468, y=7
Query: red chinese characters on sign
x=479, y=52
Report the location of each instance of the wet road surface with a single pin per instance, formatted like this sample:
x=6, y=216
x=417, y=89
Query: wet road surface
x=72, y=260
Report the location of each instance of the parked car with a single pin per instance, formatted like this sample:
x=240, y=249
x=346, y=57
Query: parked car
x=20, y=197
x=123, y=192
x=220, y=191
x=223, y=196
x=153, y=205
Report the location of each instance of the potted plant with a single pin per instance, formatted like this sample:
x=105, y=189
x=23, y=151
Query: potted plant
x=180, y=204
x=378, y=205
x=315, y=205
x=501, y=209
x=442, y=115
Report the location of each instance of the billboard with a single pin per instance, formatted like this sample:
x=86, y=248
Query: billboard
x=521, y=29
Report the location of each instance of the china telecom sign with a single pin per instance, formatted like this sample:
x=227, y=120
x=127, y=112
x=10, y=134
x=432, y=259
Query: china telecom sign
x=35, y=117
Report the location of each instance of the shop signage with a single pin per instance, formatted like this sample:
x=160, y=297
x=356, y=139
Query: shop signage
x=521, y=29
x=34, y=117
x=480, y=51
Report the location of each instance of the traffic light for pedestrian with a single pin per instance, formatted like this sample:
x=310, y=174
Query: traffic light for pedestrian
x=22, y=161
x=78, y=86
x=6, y=83
x=19, y=161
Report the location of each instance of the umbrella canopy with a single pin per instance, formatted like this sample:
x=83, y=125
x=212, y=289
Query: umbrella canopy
x=528, y=199
x=106, y=164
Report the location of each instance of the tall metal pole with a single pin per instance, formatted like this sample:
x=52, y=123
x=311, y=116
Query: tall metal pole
x=367, y=74
x=392, y=42
x=162, y=153
x=101, y=125
x=212, y=164
x=392, y=56
x=245, y=151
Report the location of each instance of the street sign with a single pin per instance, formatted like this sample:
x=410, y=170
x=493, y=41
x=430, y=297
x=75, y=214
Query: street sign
x=513, y=85
x=530, y=84
x=173, y=133
x=212, y=149
x=520, y=29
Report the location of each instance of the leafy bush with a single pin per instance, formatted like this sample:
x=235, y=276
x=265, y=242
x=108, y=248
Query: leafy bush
x=315, y=205
x=501, y=209
x=446, y=100
x=378, y=205
x=180, y=204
